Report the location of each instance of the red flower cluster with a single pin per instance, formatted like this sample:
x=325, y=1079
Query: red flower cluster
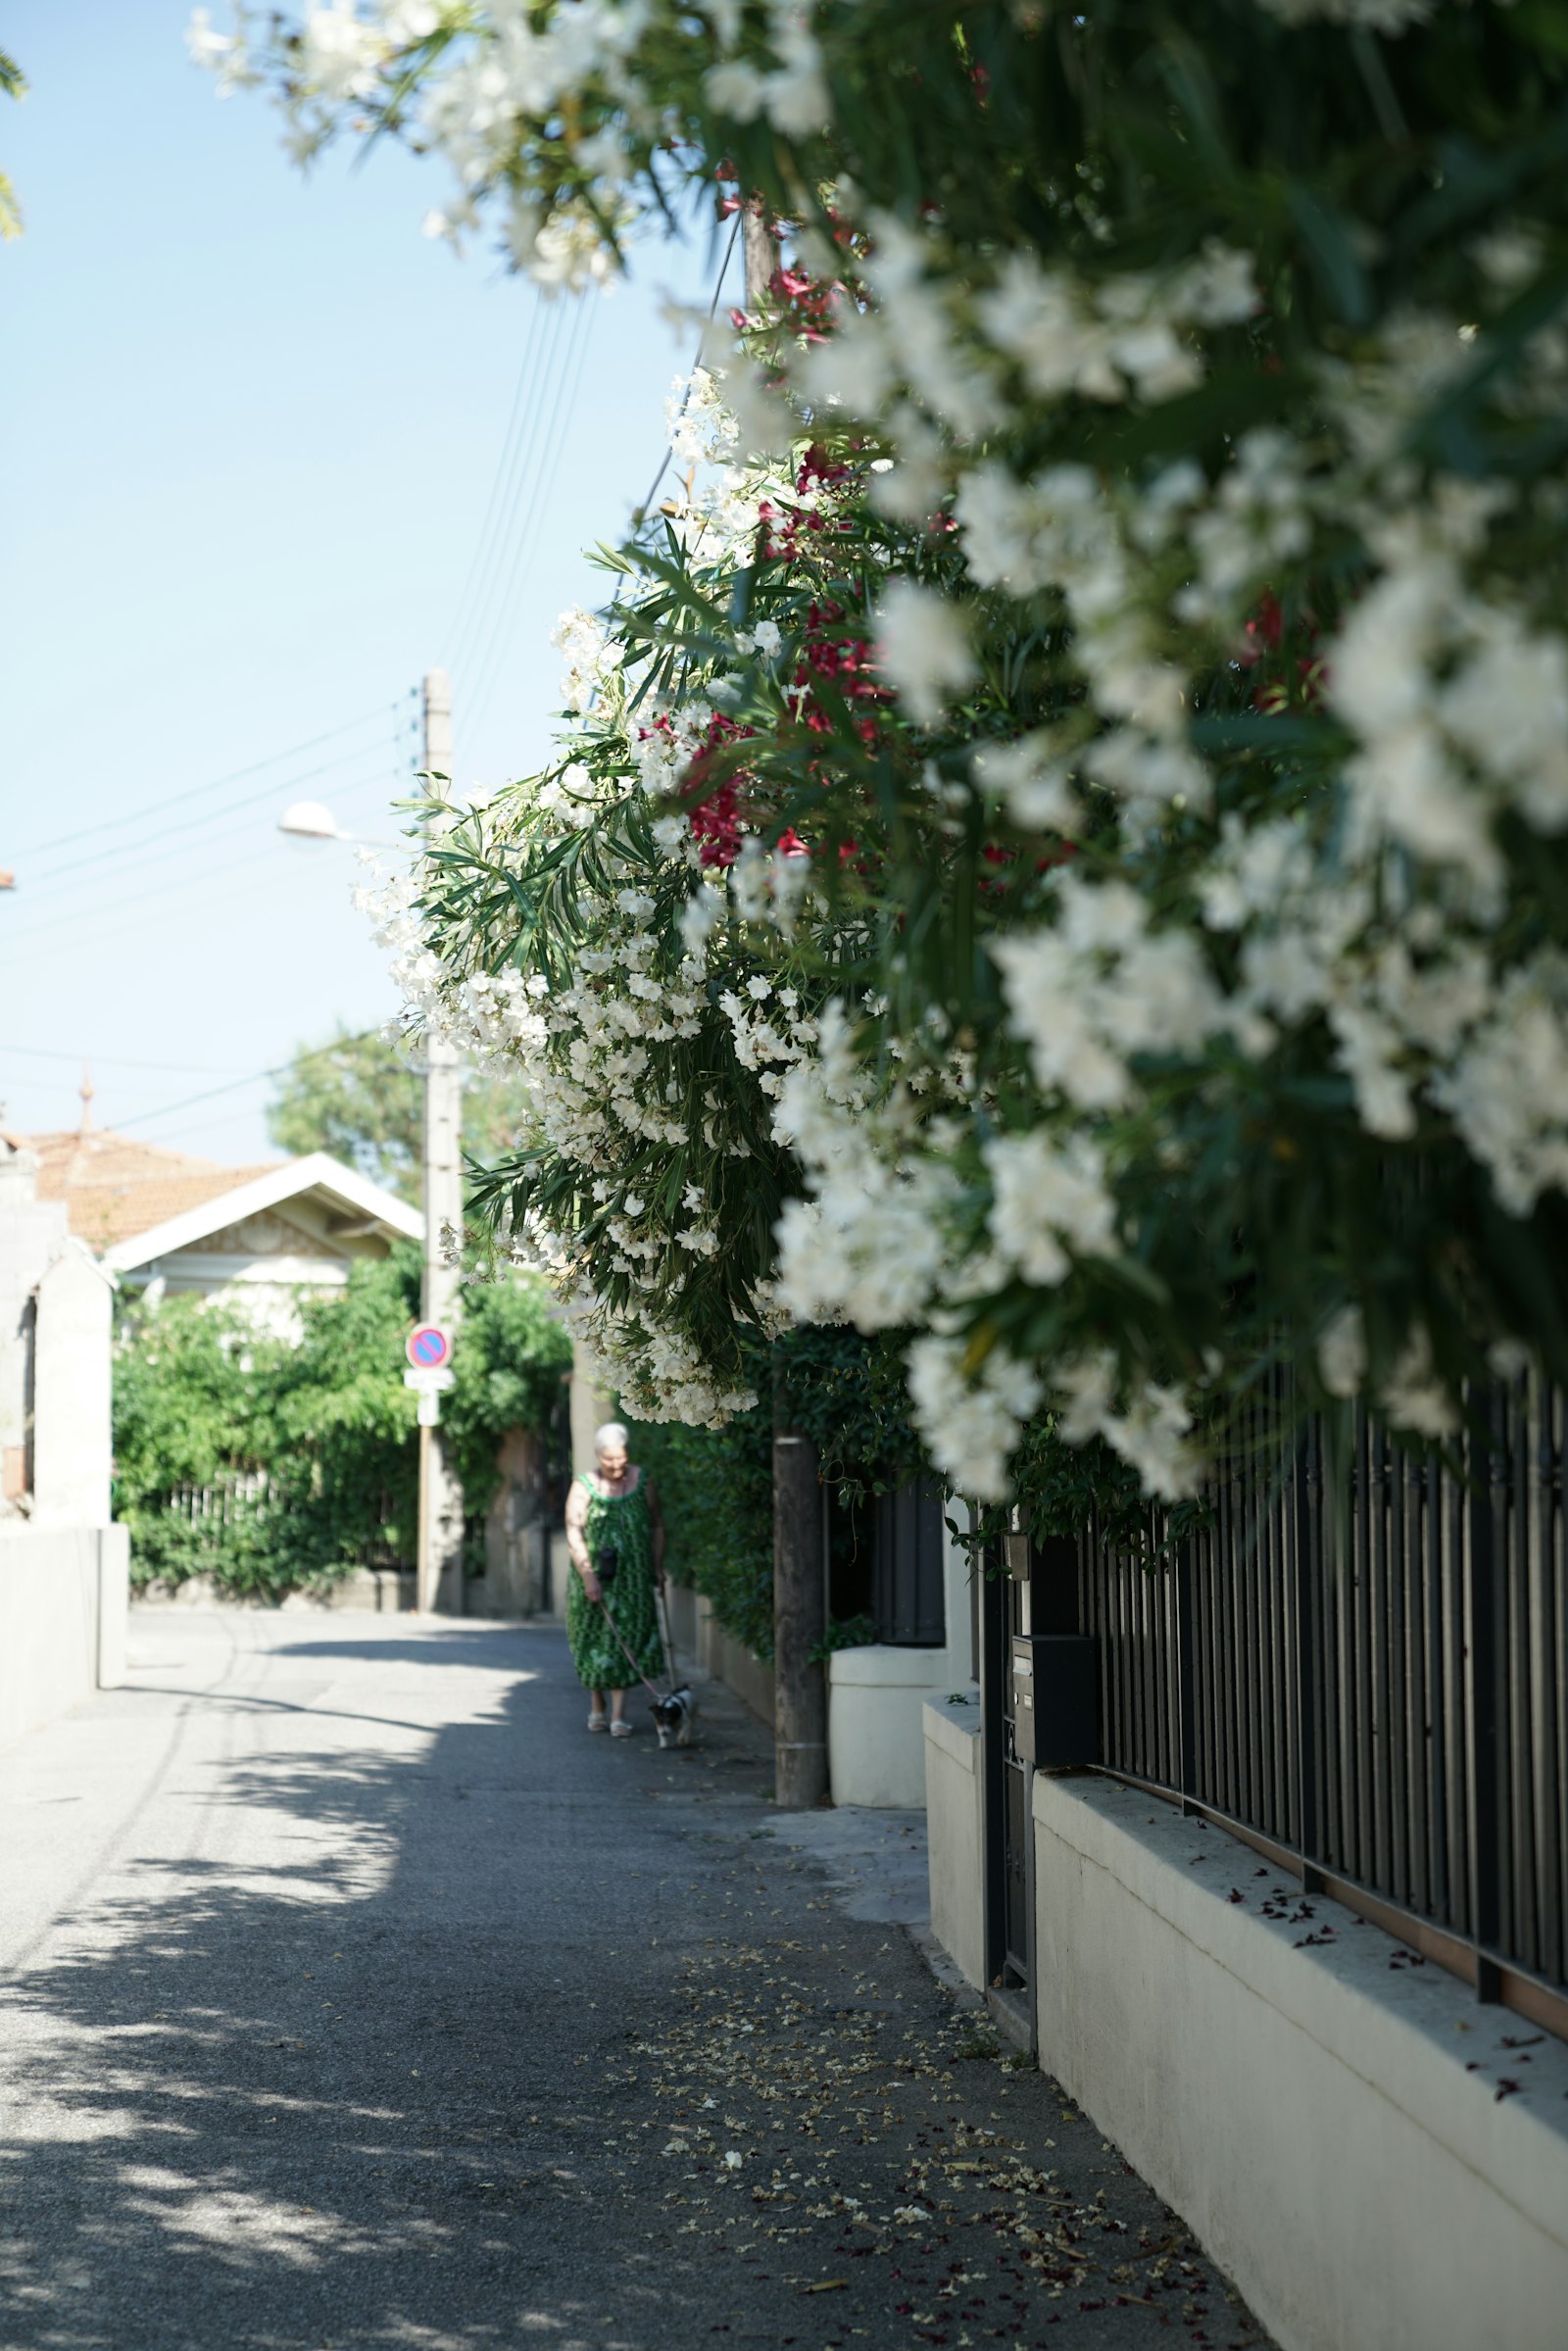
x=806, y=302
x=715, y=821
x=846, y=660
x=783, y=525
x=1265, y=639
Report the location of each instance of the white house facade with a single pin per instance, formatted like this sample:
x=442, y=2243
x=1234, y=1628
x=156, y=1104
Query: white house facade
x=299, y=1226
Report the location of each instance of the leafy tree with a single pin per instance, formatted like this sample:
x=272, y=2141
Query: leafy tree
x=511, y=1358
x=846, y=1392
x=339, y=1424
x=14, y=83
x=358, y=1098
x=716, y=1488
x=201, y=1399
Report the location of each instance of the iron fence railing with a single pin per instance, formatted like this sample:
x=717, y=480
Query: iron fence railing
x=223, y=1505
x=1363, y=1661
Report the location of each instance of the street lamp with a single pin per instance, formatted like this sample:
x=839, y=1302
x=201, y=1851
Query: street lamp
x=312, y=820
x=440, y=1535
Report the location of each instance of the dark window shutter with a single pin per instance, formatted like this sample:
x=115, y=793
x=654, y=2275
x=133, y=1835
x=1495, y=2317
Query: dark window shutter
x=906, y=1583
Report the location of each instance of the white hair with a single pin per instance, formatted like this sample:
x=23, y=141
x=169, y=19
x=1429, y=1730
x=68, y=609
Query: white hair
x=614, y=1432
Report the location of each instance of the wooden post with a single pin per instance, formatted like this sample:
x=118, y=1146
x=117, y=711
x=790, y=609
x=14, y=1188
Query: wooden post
x=800, y=1686
x=759, y=253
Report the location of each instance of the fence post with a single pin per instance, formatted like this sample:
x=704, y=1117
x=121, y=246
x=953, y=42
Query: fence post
x=1308, y=1569
x=1186, y=1678
x=1484, y=1596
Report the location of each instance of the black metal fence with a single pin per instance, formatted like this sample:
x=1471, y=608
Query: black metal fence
x=1363, y=1661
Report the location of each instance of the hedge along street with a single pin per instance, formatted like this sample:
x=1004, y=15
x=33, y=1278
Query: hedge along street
x=368, y=2003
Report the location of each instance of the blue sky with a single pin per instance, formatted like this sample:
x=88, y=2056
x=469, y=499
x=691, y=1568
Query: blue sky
x=252, y=424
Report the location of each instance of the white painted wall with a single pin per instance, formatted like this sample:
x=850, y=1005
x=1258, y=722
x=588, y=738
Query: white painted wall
x=72, y=1435
x=1325, y=2120
x=876, y=1696
x=955, y=1827
x=63, y=1608
x=31, y=1233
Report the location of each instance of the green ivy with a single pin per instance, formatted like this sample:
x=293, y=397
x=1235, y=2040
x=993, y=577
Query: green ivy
x=846, y=1394
x=716, y=1488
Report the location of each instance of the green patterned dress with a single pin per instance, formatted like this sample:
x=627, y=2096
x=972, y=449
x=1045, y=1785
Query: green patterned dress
x=619, y=1521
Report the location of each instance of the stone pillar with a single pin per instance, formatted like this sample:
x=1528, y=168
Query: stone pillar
x=72, y=1433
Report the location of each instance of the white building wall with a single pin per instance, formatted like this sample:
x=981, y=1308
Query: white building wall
x=31, y=1233
x=1325, y=2115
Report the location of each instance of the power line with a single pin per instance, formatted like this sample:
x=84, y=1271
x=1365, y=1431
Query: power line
x=486, y=670
x=544, y=392
x=256, y=1078
x=71, y=917
x=500, y=488
x=719, y=288
x=184, y=1069
x=175, y=799
x=186, y=824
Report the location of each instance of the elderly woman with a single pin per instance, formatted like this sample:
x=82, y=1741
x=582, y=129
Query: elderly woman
x=615, y=1535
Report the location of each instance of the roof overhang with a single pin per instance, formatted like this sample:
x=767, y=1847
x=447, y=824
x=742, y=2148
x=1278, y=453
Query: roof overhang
x=367, y=1204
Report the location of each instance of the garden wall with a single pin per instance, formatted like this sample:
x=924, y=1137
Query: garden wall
x=1376, y=2158
x=64, y=1594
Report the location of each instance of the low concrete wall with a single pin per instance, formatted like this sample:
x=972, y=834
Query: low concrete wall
x=732, y=1663
x=1330, y=2120
x=380, y=1590
x=114, y=1605
x=686, y=1609
x=701, y=1641
x=955, y=1826
x=63, y=1597
x=876, y=1741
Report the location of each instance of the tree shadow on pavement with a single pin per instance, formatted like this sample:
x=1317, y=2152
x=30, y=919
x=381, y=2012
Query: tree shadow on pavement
x=332, y=2074
x=491, y=2033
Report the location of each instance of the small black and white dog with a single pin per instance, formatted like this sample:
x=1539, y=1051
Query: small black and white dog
x=674, y=1718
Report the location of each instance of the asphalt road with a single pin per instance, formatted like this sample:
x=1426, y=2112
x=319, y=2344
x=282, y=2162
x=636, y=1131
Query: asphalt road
x=351, y=1995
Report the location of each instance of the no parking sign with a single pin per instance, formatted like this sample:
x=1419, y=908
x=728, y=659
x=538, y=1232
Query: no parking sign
x=429, y=1351
x=428, y=1348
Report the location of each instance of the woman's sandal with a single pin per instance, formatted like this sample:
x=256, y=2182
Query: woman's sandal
x=622, y=1730
x=598, y=1721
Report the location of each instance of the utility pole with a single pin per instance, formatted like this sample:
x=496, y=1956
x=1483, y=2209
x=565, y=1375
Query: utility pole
x=800, y=1602
x=759, y=253
x=440, y=1539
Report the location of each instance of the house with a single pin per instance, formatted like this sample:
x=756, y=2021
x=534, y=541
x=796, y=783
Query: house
x=64, y=1568
x=164, y=1222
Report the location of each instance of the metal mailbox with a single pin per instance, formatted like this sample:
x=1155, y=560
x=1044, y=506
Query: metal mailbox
x=1055, y=1699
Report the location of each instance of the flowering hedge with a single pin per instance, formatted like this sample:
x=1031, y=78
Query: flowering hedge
x=1114, y=685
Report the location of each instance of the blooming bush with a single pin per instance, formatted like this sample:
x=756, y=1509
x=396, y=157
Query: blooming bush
x=1153, y=642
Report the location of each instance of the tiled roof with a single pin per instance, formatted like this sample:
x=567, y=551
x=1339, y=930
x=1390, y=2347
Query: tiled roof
x=115, y=1186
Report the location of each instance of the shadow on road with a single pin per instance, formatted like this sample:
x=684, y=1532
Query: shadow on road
x=334, y=2057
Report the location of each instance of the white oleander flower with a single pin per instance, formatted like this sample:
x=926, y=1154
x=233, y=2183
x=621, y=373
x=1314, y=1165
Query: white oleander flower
x=923, y=649
x=1341, y=1352
x=1049, y=1199
x=970, y=1425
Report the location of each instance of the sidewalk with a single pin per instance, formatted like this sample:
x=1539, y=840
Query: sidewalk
x=358, y=1998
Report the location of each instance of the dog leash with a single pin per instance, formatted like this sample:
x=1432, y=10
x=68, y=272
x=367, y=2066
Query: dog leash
x=661, y=1600
x=658, y=1694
